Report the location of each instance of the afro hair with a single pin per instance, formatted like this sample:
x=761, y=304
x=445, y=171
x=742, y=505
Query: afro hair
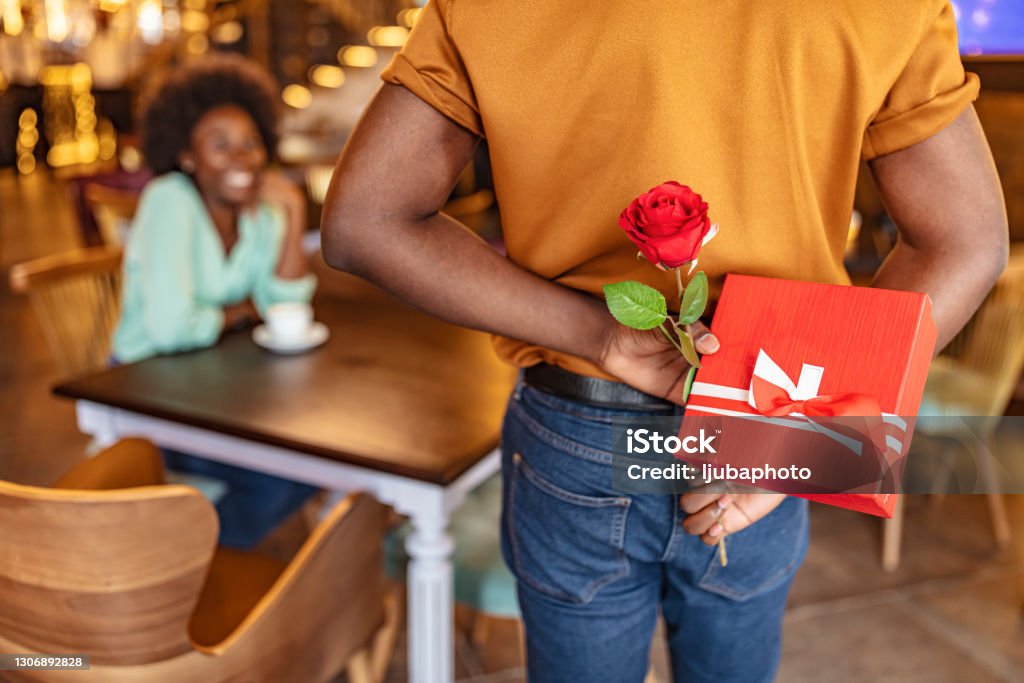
x=170, y=108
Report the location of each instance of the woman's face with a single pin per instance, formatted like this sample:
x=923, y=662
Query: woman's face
x=226, y=155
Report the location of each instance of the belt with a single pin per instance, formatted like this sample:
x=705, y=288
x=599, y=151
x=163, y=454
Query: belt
x=600, y=393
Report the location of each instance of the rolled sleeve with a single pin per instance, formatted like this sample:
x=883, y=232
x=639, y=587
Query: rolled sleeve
x=930, y=93
x=431, y=67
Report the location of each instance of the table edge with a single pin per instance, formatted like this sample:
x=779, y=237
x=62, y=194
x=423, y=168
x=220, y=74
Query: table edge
x=67, y=390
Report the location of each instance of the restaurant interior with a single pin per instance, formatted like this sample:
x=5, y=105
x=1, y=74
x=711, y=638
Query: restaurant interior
x=390, y=569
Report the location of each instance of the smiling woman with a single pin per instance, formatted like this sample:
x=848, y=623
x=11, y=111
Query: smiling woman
x=217, y=238
x=216, y=242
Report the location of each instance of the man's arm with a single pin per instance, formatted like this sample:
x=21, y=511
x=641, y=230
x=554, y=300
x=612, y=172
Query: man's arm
x=382, y=221
x=945, y=198
x=944, y=195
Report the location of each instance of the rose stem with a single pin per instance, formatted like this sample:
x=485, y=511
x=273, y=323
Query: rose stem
x=672, y=341
x=679, y=284
x=722, y=557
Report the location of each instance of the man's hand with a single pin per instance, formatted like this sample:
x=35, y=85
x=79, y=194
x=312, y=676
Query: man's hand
x=721, y=508
x=645, y=360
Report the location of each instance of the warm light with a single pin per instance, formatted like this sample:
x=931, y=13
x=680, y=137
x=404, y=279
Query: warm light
x=327, y=76
x=357, y=55
x=26, y=141
x=56, y=20
x=195, y=21
x=26, y=164
x=195, y=4
x=28, y=137
x=82, y=28
x=297, y=96
x=13, y=21
x=108, y=139
x=62, y=154
x=408, y=17
x=172, y=21
x=227, y=33
x=130, y=159
x=387, y=36
x=78, y=76
x=71, y=120
x=318, y=178
x=150, y=21
x=197, y=44
x=111, y=5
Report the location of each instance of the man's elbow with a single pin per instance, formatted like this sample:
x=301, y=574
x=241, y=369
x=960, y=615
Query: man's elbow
x=993, y=254
x=339, y=234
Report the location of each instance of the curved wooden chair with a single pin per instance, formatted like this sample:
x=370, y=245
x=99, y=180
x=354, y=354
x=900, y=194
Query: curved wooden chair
x=974, y=377
x=76, y=296
x=113, y=209
x=114, y=564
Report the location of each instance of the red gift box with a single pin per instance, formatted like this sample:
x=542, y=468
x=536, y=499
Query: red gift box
x=796, y=359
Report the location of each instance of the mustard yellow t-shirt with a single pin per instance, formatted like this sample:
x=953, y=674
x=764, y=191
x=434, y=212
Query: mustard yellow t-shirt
x=765, y=108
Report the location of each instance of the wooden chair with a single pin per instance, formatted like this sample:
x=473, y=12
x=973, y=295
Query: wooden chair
x=113, y=209
x=76, y=296
x=126, y=570
x=976, y=375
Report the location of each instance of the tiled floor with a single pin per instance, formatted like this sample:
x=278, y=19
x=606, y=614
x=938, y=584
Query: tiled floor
x=952, y=612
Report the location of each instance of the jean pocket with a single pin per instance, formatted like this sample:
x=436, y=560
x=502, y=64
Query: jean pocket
x=564, y=544
x=761, y=557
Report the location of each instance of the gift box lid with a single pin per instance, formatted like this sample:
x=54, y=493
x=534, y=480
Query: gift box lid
x=860, y=340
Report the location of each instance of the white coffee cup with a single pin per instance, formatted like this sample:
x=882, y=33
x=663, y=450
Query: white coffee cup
x=289, y=321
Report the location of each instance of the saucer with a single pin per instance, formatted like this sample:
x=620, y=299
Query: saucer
x=316, y=335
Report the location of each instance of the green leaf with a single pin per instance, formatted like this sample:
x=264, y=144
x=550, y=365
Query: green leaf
x=688, y=384
x=636, y=305
x=689, y=350
x=695, y=299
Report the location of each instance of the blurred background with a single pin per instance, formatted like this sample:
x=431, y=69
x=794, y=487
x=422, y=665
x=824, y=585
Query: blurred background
x=946, y=606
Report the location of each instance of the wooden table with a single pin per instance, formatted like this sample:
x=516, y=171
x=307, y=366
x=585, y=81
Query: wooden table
x=396, y=403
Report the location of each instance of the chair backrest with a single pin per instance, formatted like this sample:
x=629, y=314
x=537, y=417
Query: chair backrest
x=112, y=574
x=113, y=208
x=992, y=344
x=77, y=298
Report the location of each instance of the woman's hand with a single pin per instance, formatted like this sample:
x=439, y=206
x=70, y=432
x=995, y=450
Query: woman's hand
x=645, y=360
x=237, y=315
x=722, y=508
x=277, y=189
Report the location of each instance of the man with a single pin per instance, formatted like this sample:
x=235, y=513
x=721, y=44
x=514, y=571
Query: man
x=764, y=108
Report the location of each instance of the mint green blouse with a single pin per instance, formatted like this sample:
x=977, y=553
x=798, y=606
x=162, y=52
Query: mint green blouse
x=177, y=277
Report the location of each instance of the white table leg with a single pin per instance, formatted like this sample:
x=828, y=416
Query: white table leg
x=431, y=605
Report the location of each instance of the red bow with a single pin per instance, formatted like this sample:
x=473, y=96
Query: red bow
x=773, y=401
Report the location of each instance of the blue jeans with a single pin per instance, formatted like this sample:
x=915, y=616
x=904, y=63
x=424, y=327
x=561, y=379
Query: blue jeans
x=594, y=565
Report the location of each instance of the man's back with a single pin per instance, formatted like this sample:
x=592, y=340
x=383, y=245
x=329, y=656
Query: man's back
x=766, y=109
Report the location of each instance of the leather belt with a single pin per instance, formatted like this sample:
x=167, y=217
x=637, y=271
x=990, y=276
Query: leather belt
x=593, y=391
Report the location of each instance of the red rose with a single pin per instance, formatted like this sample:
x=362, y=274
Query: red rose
x=669, y=224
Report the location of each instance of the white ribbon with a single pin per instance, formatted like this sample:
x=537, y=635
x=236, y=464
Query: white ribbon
x=805, y=388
